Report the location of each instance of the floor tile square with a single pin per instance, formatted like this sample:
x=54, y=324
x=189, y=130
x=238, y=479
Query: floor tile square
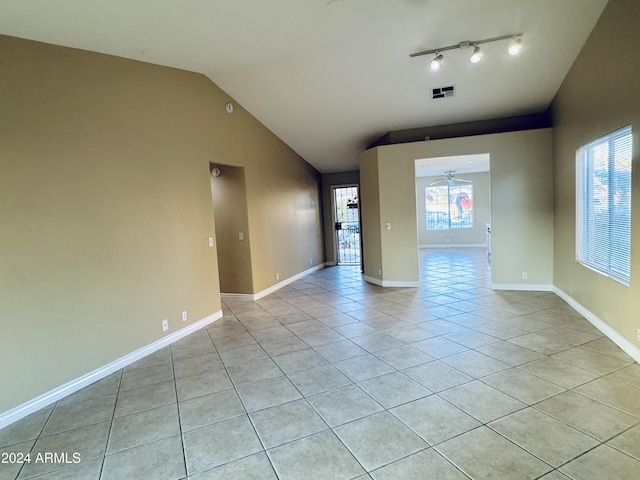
x=140, y=377
x=393, y=389
x=145, y=398
x=318, y=380
x=403, y=357
x=343, y=405
x=353, y=330
x=587, y=415
x=482, y=401
x=185, y=367
x=540, y=343
x=79, y=414
x=363, y=367
x=217, y=444
x=548, y=439
x=558, y=372
x=202, y=384
x=299, y=360
x=241, y=355
x=319, y=456
x=630, y=375
x=475, y=364
x=216, y=407
x=509, y=353
x=589, y=360
x=316, y=338
x=568, y=335
x=522, y=385
x=628, y=442
x=161, y=459
x=471, y=338
x=439, y=347
x=284, y=345
x=437, y=376
x=90, y=442
x=143, y=427
x=231, y=342
x=483, y=454
x=335, y=352
x=435, y=419
x=376, y=342
x=267, y=393
x=416, y=466
x=606, y=346
x=28, y=428
x=253, y=371
x=603, y=462
x=253, y=467
x=287, y=422
x=379, y=439
x=412, y=333
x=612, y=392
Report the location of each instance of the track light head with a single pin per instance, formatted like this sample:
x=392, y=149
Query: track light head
x=515, y=47
x=436, y=62
x=476, y=56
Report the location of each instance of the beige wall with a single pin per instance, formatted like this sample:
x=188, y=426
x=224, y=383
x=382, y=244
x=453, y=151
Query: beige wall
x=330, y=180
x=370, y=213
x=458, y=236
x=521, y=203
x=601, y=93
x=229, y=196
x=106, y=208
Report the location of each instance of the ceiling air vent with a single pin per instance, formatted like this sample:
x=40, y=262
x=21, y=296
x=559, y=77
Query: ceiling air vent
x=442, y=92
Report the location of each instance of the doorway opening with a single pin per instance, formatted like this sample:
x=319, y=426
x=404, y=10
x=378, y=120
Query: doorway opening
x=346, y=215
x=454, y=207
x=230, y=213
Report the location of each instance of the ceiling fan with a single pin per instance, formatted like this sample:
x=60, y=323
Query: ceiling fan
x=450, y=179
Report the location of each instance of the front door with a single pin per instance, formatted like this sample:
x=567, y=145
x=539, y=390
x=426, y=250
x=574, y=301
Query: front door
x=347, y=224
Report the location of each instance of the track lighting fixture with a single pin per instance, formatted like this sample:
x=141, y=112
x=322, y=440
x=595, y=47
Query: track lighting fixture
x=476, y=56
x=436, y=62
x=516, y=46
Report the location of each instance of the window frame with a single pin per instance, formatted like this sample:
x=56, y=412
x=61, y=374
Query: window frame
x=594, y=242
x=467, y=226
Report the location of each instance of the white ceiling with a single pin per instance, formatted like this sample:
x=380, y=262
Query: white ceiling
x=331, y=76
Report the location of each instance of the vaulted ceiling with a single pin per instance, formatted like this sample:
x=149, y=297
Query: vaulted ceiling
x=331, y=76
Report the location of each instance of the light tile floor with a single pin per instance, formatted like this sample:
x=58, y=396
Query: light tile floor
x=334, y=378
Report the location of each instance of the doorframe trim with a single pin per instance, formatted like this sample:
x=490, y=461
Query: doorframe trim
x=334, y=221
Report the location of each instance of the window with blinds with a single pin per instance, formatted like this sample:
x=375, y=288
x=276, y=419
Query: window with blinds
x=603, y=205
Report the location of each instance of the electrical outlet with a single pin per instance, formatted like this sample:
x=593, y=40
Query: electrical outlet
x=277, y=276
x=310, y=261
x=211, y=241
x=241, y=236
x=379, y=272
x=165, y=325
x=638, y=334
x=524, y=275
x=184, y=316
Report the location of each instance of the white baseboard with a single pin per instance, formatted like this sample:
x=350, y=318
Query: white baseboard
x=615, y=337
x=27, y=408
x=237, y=296
x=454, y=245
x=272, y=288
x=524, y=287
x=391, y=283
x=330, y=264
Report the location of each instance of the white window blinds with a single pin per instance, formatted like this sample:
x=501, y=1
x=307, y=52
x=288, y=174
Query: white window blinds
x=603, y=205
